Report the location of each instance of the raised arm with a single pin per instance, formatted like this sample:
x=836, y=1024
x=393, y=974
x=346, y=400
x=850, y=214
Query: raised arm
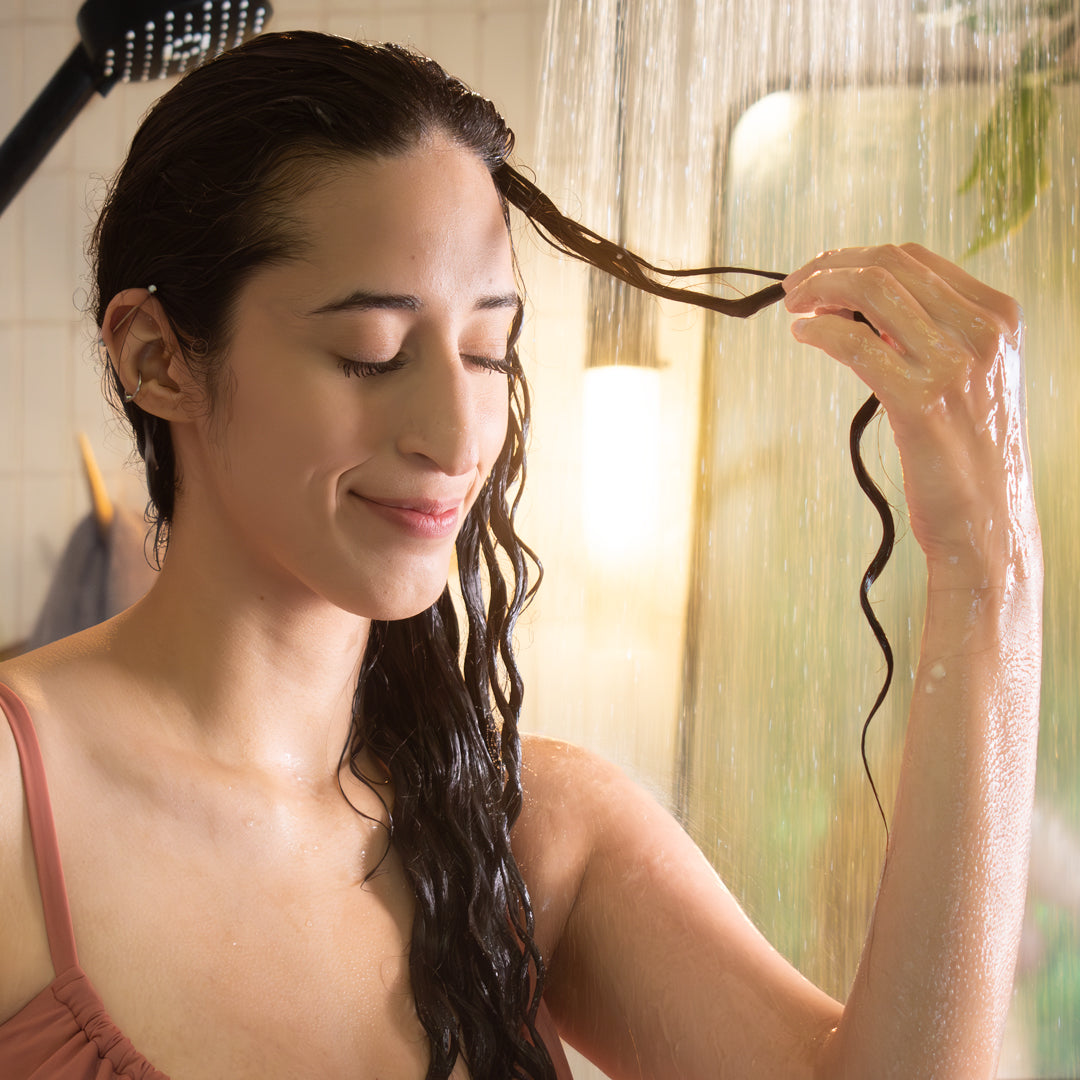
x=654, y=972
x=934, y=983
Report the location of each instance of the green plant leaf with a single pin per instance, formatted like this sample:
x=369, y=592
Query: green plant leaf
x=1009, y=167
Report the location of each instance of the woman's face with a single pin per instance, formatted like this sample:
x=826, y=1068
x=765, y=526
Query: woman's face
x=365, y=398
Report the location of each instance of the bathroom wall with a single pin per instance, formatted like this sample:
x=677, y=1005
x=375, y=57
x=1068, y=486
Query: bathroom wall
x=49, y=382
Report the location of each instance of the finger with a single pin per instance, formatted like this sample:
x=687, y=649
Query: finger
x=952, y=297
x=971, y=288
x=897, y=256
x=857, y=346
x=948, y=294
x=825, y=259
x=890, y=308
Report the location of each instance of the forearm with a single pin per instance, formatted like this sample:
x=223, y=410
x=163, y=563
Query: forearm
x=934, y=983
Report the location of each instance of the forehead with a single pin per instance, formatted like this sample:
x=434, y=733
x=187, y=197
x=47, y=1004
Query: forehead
x=429, y=219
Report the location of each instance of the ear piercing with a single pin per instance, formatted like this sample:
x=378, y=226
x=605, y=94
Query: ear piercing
x=151, y=289
x=138, y=387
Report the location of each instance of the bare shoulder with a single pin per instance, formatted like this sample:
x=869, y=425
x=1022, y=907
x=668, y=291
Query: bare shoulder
x=566, y=790
x=20, y=676
x=24, y=956
x=553, y=765
x=11, y=792
x=576, y=791
x=575, y=805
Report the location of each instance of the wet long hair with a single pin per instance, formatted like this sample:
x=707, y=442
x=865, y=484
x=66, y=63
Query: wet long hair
x=203, y=202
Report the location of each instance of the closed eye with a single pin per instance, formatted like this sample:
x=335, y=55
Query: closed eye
x=370, y=367
x=364, y=368
x=500, y=364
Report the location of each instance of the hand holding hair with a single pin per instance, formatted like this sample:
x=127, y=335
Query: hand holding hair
x=948, y=368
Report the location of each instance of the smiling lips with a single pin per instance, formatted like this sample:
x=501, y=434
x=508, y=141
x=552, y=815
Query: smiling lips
x=422, y=518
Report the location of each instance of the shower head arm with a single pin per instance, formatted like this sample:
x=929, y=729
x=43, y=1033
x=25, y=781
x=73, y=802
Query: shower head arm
x=46, y=120
x=129, y=41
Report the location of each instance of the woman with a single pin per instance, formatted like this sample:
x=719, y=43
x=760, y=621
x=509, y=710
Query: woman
x=298, y=831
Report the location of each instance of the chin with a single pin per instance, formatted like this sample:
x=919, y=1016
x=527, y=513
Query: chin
x=393, y=605
x=398, y=612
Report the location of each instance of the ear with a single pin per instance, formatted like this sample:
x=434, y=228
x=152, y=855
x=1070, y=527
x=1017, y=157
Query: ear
x=142, y=345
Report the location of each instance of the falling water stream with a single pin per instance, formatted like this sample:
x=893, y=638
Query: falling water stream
x=758, y=133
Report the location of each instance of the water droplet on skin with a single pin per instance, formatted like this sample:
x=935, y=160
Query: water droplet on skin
x=936, y=672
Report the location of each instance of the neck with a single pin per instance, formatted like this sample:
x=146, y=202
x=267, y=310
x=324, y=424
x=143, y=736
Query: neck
x=259, y=675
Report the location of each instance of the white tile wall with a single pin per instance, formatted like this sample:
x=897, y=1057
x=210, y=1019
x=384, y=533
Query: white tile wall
x=10, y=558
x=10, y=406
x=46, y=411
x=10, y=246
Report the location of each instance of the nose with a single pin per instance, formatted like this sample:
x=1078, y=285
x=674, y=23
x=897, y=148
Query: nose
x=444, y=413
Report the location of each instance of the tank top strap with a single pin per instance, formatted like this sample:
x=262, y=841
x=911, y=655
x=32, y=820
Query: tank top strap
x=50, y=873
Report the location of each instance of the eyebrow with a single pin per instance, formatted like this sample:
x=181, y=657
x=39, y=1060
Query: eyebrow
x=361, y=300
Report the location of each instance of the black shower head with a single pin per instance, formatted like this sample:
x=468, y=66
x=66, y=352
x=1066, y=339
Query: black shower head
x=122, y=41
x=137, y=40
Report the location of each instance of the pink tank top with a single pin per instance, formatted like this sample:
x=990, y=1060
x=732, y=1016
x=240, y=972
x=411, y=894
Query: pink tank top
x=65, y=1032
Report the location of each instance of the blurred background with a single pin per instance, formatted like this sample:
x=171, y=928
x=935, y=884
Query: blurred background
x=689, y=491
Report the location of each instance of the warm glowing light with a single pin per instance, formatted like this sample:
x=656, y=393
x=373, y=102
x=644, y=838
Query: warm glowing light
x=621, y=467
x=763, y=132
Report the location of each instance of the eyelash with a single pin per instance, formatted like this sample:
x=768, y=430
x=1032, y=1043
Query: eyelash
x=364, y=368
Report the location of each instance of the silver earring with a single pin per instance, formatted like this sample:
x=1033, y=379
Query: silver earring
x=138, y=387
x=151, y=289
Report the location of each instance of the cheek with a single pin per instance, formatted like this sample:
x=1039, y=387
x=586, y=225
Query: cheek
x=299, y=423
x=288, y=461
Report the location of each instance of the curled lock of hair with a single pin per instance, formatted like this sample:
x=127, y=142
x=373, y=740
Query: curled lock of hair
x=867, y=411
x=573, y=239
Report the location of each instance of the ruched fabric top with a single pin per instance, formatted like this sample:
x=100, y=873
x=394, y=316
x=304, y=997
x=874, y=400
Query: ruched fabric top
x=65, y=1032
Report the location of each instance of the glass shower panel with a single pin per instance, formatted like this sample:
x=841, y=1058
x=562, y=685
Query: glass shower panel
x=785, y=668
